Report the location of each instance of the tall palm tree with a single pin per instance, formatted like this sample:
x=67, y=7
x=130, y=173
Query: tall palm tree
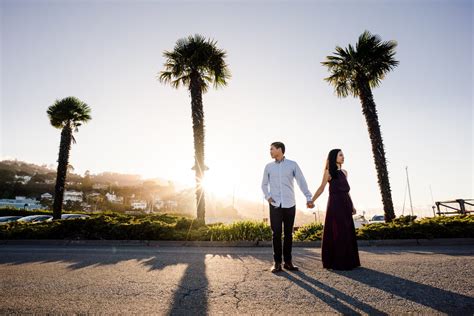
x=196, y=63
x=66, y=114
x=355, y=71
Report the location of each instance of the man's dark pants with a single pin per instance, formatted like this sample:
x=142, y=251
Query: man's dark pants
x=279, y=216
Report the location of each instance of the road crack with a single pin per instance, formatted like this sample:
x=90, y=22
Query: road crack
x=235, y=291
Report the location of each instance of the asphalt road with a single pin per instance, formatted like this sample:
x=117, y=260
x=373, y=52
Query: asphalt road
x=191, y=280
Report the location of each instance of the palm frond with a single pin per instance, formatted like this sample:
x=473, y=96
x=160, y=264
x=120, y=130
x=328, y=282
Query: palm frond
x=69, y=110
x=195, y=55
x=370, y=59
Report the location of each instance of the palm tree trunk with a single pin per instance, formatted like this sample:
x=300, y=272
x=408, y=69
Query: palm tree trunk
x=63, y=161
x=370, y=112
x=198, y=133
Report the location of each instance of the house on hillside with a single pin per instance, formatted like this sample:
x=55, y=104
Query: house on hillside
x=46, y=196
x=21, y=202
x=138, y=205
x=74, y=196
x=100, y=186
x=114, y=198
x=22, y=179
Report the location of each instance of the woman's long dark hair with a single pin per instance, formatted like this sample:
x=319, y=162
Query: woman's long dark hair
x=332, y=157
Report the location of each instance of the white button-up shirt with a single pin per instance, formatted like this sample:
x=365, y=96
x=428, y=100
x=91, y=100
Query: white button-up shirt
x=278, y=179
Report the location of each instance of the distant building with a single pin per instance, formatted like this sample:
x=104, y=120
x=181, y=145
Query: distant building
x=158, y=202
x=21, y=202
x=138, y=205
x=86, y=207
x=74, y=196
x=164, y=204
x=46, y=196
x=73, y=183
x=100, y=186
x=113, y=198
x=23, y=179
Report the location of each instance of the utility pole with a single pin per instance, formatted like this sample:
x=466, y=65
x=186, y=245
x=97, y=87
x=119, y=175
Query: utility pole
x=432, y=201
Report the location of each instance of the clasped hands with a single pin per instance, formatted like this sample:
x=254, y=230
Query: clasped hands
x=309, y=204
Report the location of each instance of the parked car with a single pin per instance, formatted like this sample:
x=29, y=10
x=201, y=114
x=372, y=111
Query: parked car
x=377, y=219
x=359, y=220
x=36, y=218
x=9, y=219
x=72, y=216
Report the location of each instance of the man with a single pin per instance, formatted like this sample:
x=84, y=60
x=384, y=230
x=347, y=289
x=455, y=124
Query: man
x=279, y=176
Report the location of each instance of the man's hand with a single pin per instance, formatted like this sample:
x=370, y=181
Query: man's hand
x=353, y=211
x=270, y=200
x=309, y=204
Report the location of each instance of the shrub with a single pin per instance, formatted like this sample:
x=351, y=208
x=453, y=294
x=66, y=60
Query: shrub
x=309, y=232
x=458, y=226
x=111, y=225
x=243, y=230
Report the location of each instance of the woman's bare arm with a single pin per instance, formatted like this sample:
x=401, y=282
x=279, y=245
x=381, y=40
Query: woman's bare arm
x=326, y=177
x=353, y=208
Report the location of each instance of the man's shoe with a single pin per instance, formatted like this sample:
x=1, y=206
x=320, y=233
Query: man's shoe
x=290, y=266
x=276, y=267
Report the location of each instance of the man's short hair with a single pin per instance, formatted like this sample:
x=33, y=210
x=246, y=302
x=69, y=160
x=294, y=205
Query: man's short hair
x=279, y=145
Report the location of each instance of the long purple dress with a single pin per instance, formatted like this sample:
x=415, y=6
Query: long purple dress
x=339, y=249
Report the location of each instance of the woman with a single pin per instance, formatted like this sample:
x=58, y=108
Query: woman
x=339, y=245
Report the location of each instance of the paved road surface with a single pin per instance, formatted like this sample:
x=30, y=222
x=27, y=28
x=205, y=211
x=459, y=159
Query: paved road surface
x=193, y=280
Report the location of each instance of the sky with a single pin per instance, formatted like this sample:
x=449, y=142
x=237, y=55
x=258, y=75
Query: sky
x=108, y=54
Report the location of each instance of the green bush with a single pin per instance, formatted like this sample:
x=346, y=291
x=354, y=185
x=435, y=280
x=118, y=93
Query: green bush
x=404, y=219
x=103, y=226
x=404, y=227
x=458, y=226
x=309, y=232
x=244, y=230
x=111, y=225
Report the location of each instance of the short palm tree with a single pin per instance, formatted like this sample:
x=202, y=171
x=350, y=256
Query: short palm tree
x=66, y=114
x=196, y=63
x=355, y=71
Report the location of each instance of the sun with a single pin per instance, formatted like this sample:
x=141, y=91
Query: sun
x=218, y=184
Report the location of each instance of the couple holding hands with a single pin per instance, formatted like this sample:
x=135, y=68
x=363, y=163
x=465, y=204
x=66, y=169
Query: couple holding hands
x=339, y=249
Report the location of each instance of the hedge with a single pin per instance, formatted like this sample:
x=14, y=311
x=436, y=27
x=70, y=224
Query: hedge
x=110, y=225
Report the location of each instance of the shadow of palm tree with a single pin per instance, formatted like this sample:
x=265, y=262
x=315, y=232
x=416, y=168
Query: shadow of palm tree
x=438, y=299
x=192, y=293
x=189, y=296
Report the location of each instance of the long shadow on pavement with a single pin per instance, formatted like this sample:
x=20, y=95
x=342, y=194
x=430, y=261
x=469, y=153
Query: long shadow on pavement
x=438, y=299
x=334, y=297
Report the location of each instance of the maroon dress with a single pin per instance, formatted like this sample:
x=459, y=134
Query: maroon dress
x=339, y=249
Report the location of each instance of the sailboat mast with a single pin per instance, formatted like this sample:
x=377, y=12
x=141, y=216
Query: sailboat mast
x=409, y=191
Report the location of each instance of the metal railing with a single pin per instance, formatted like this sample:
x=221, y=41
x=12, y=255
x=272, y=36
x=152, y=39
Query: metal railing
x=461, y=209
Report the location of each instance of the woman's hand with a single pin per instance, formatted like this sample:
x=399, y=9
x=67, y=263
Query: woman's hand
x=353, y=210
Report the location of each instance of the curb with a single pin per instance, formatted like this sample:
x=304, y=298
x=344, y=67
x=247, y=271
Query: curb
x=172, y=243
